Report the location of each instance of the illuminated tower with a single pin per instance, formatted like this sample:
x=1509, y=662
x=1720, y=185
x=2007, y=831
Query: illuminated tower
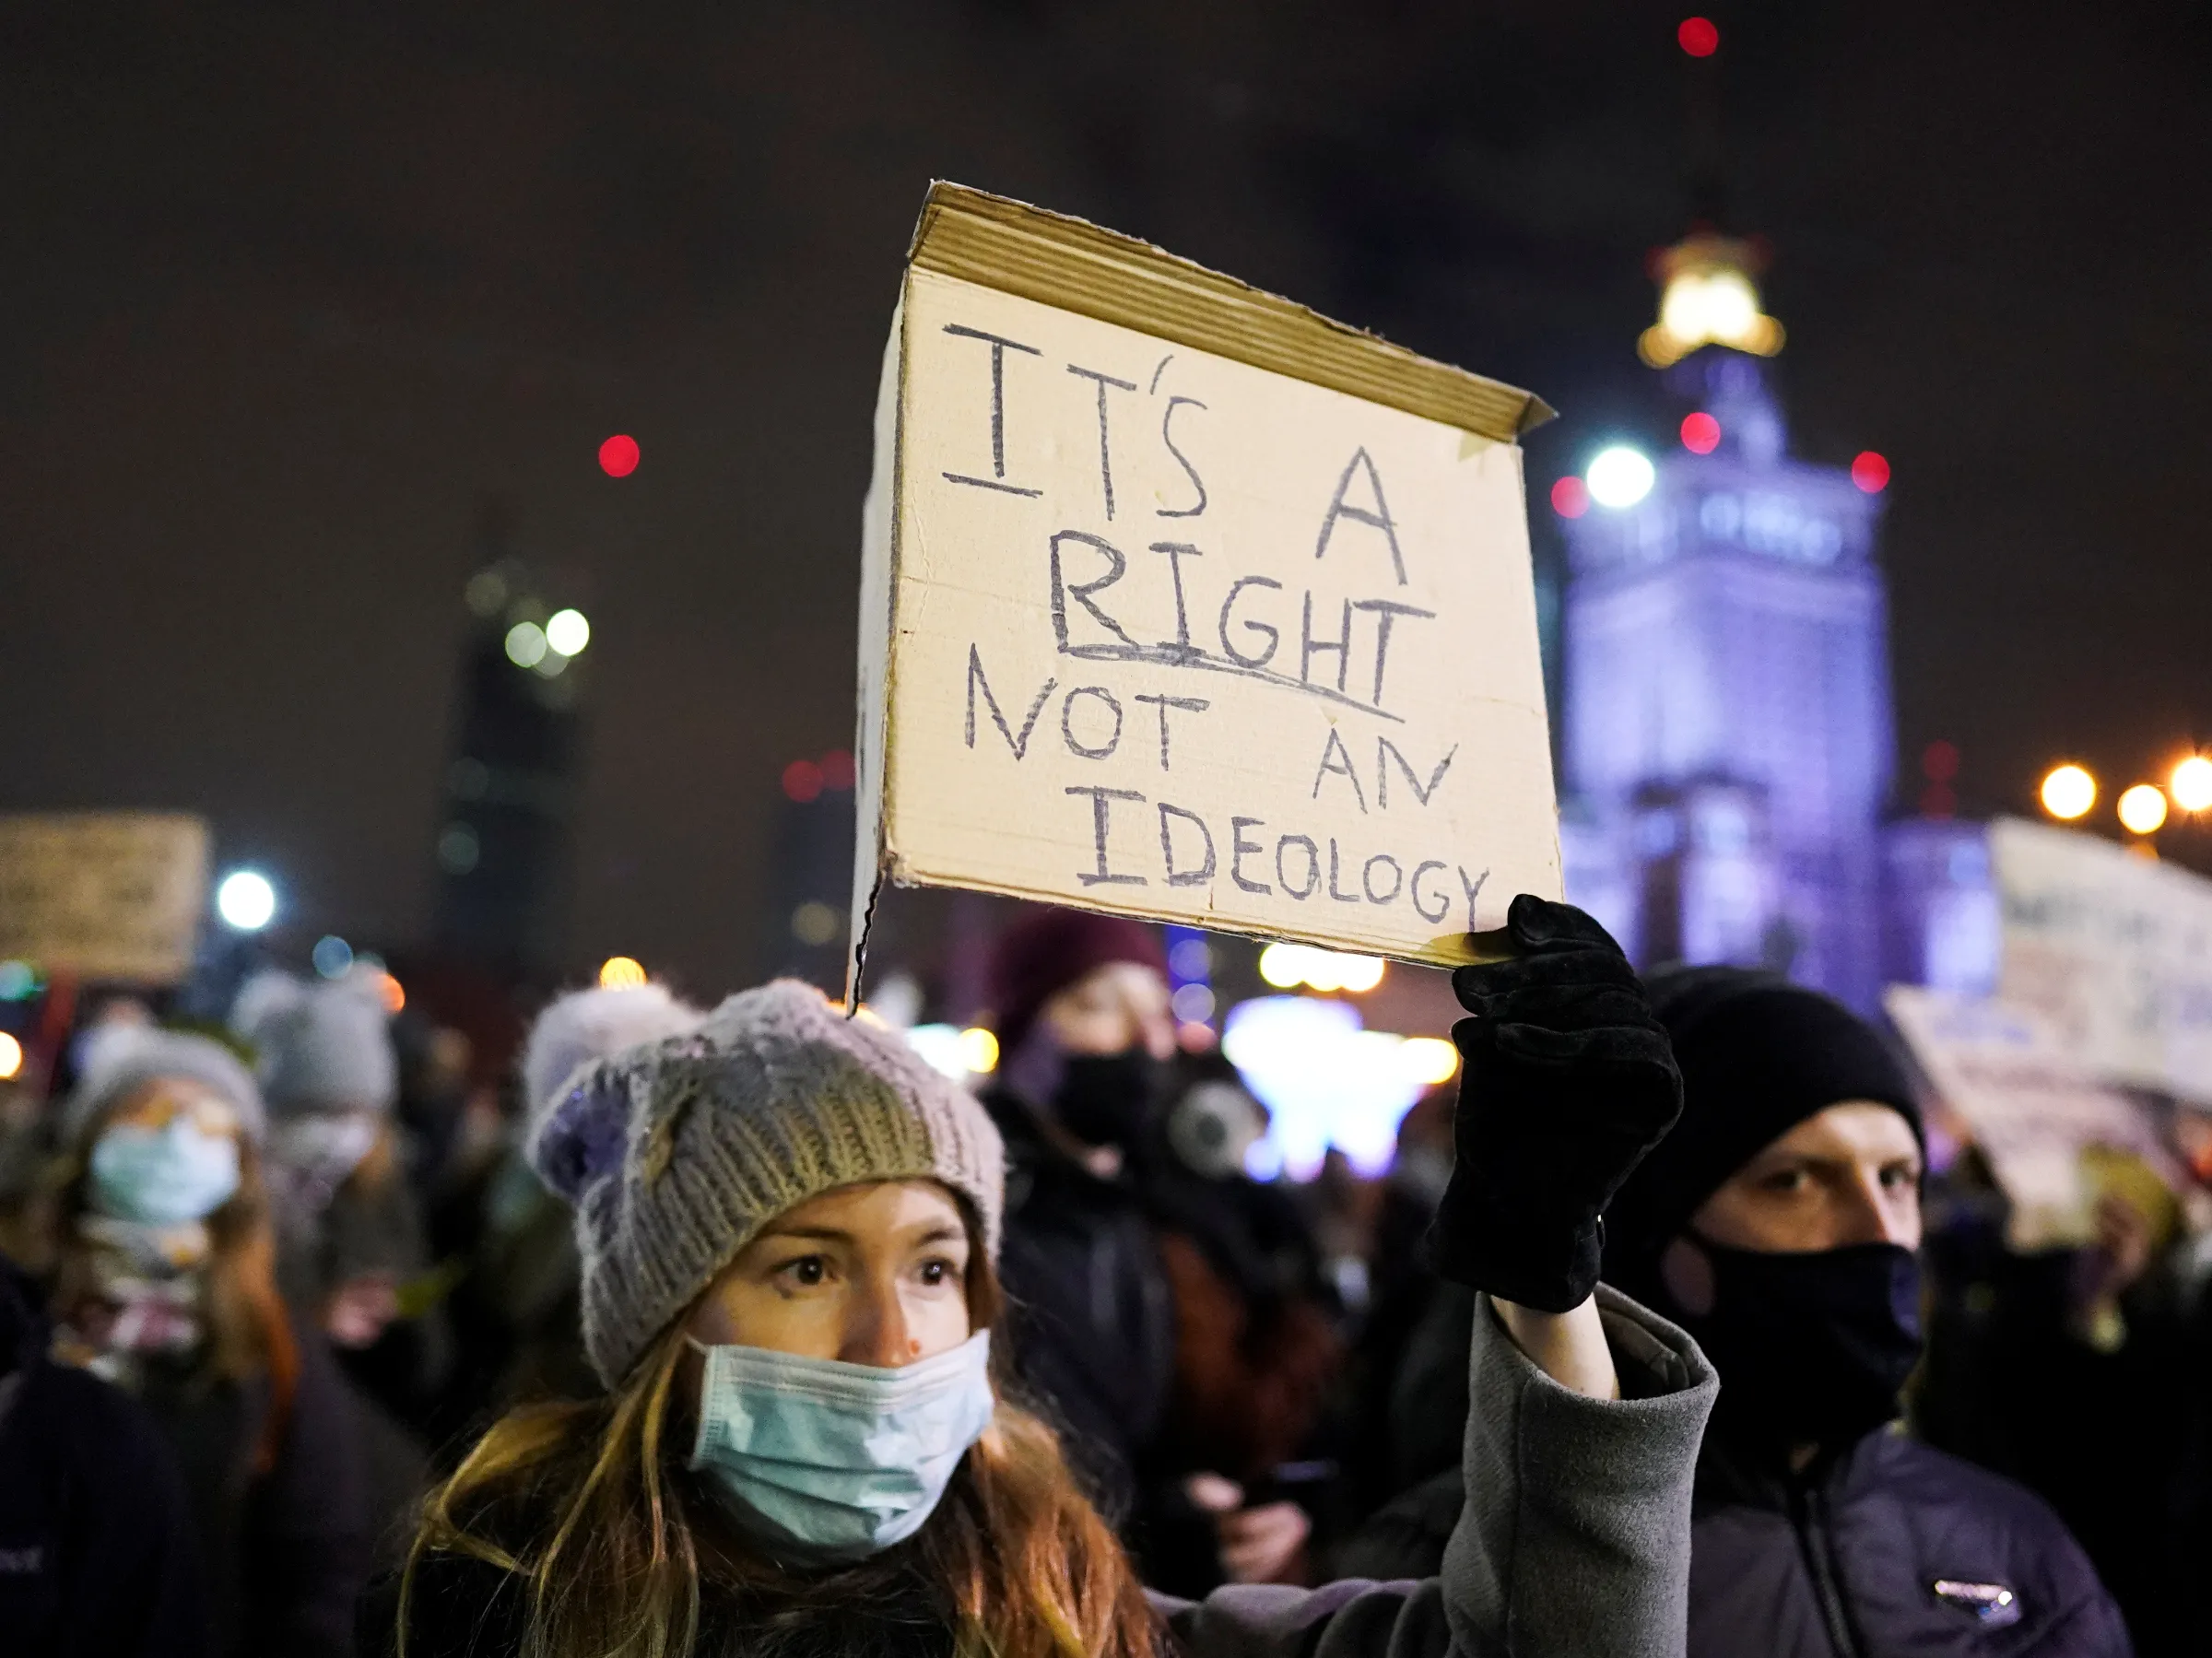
x=1727, y=734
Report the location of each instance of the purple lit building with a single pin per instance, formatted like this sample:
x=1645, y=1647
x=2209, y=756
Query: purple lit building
x=1727, y=737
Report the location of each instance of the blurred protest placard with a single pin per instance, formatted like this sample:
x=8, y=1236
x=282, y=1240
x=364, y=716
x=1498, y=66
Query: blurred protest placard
x=2114, y=949
x=2013, y=1081
x=103, y=895
x=1181, y=601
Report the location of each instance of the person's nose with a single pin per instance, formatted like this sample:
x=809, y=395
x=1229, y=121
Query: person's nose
x=1872, y=1217
x=877, y=1332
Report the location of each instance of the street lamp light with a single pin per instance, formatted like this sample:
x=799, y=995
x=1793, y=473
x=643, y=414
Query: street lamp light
x=246, y=900
x=2142, y=809
x=2192, y=783
x=2068, y=792
x=1619, y=477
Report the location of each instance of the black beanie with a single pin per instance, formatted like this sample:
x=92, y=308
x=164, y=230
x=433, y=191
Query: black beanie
x=1758, y=1055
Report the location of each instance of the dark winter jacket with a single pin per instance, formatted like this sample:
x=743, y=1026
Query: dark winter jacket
x=1091, y=1319
x=1893, y=1548
x=2005, y=1365
x=1255, y=1344
x=96, y=1549
x=287, y=1550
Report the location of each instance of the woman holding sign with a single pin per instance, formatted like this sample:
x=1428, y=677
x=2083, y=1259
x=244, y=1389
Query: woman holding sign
x=789, y=1229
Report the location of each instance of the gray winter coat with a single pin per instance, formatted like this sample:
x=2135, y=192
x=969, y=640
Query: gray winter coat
x=1575, y=1538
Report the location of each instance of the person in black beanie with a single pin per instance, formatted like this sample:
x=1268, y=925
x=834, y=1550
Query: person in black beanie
x=1779, y=1224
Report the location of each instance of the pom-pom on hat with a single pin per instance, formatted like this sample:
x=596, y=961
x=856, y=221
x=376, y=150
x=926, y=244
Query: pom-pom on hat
x=588, y=1025
x=1043, y=954
x=677, y=1149
x=320, y=1047
x=116, y=1060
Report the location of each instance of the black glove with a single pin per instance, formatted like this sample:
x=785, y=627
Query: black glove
x=1569, y=1081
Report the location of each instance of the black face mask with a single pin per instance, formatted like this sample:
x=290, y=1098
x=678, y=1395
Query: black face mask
x=1106, y=1099
x=1810, y=1348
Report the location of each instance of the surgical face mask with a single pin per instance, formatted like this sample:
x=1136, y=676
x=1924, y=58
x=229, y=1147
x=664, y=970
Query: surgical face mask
x=828, y=1460
x=1106, y=1099
x=324, y=1149
x=163, y=1176
x=1811, y=1347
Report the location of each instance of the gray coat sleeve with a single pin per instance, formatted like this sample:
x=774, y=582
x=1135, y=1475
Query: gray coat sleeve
x=1574, y=1538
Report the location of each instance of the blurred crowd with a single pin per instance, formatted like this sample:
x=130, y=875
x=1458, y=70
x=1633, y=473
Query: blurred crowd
x=265, y=1281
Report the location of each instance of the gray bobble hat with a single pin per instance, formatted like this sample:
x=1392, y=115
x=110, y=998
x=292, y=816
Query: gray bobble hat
x=322, y=1047
x=677, y=1149
x=116, y=1060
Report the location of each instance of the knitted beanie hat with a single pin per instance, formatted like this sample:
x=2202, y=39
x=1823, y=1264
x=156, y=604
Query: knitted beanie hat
x=320, y=1047
x=1043, y=953
x=677, y=1149
x=116, y=1060
x=1758, y=1055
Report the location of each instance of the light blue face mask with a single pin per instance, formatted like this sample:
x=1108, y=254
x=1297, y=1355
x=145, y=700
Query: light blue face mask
x=163, y=1176
x=836, y=1461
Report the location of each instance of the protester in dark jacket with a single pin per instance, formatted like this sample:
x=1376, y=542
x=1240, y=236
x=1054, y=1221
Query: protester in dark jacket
x=1781, y=1222
x=166, y=1286
x=1080, y=1003
x=1778, y=1224
x=1257, y=1346
x=96, y=1548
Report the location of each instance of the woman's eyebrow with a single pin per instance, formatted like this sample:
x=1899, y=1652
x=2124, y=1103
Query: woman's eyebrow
x=810, y=1234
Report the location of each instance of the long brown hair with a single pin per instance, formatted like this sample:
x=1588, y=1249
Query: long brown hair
x=248, y=1335
x=587, y=1503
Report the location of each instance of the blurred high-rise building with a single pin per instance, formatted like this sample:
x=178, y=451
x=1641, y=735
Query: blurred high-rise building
x=508, y=797
x=807, y=930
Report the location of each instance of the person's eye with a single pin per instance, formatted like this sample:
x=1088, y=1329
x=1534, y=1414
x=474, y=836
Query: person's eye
x=1785, y=1181
x=806, y=1273
x=1898, y=1176
x=937, y=1272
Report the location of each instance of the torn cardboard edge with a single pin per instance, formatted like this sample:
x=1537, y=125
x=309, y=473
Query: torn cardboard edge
x=1078, y=266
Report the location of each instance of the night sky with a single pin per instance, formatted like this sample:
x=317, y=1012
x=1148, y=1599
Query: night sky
x=299, y=299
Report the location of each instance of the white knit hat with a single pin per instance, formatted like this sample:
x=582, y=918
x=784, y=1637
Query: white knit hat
x=677, y=1150
x=115, y=1061
x=320, y=1047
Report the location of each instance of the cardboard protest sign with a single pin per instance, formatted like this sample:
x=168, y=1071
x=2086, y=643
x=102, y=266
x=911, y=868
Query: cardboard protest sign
x=2114, y=949
x=1181, y=600
x=103, y=895
x=2029, y=1104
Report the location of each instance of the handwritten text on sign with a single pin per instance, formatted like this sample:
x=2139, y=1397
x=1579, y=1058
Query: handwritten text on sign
x=1178, y=636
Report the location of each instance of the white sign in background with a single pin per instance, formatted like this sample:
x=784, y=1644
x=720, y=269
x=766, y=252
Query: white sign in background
x=2114, y=949
x=103, y=895
x=2029, y=1102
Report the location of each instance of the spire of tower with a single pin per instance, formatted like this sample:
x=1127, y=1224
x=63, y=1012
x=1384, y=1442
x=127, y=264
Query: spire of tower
x=1708, y=296
x=1709, y=292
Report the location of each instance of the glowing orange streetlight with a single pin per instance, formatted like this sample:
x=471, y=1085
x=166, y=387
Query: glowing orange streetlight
x=2068, y=792
x=2192, y=783
x=2142, y=809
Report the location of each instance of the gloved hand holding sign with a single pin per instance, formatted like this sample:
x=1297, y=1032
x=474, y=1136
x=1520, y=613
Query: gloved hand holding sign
x=1569, y=1081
